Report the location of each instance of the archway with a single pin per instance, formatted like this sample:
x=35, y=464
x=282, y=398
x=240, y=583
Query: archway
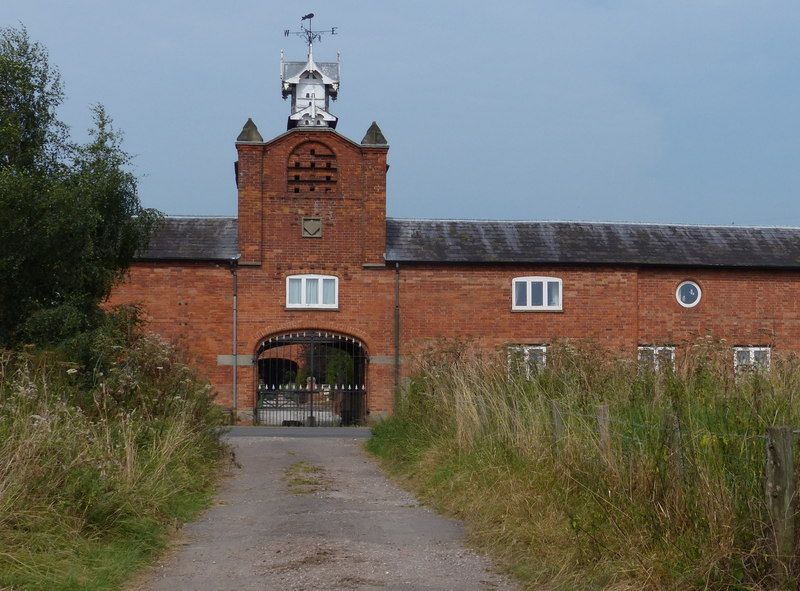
x=311, y=378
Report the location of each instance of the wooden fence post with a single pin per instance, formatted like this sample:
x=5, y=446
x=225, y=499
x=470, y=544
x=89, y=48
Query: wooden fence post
x=604, y=430
x=780, y=491
x=673, y=427
x=558, y=421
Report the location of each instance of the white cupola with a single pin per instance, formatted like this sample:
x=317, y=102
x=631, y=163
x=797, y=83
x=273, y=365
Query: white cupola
x=312, y=85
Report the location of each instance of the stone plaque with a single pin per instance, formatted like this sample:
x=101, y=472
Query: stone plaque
x=312, y=228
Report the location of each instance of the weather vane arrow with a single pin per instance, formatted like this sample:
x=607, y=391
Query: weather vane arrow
x=308, y=31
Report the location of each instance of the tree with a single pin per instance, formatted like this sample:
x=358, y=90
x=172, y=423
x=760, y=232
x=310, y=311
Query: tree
x=70, y=217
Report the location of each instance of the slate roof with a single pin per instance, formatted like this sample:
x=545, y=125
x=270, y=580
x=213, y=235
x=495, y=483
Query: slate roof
x=559, y=243
x=451, y=241
x=194, y=239
x=330, y=69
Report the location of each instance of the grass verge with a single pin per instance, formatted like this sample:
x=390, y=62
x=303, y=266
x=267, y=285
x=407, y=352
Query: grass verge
x=475, y=440
x=105, y=448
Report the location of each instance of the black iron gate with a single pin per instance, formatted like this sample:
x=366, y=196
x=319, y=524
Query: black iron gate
x=311, y=378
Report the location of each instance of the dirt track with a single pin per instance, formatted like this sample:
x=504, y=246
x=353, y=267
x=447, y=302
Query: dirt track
x=308, y=513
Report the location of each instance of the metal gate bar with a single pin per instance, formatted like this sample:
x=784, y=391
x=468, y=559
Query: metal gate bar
x=311, y=378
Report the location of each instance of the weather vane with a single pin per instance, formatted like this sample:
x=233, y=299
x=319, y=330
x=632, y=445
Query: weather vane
x=308, y=32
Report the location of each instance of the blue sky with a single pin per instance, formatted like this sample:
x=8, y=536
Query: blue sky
x=679, y=111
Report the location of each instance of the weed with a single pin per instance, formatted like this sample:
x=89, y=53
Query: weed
x=304, y=478
x=476, y=441
x=98, y=462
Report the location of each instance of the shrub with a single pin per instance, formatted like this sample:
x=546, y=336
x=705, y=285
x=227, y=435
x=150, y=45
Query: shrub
x=99, y=457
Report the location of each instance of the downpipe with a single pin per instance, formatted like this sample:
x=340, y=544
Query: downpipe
x=397, y=329
x=235, y=338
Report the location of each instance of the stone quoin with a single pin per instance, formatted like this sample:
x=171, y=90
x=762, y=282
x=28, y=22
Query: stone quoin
x=311, y=252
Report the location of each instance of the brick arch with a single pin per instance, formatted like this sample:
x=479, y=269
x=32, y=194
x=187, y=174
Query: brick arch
x=312, y=168
x=358, y=336
x=300, y=334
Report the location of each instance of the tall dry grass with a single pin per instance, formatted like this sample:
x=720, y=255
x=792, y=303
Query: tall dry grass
x=660, y=510
x=97, y=462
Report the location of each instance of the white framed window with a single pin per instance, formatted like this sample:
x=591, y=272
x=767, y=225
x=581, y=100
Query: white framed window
x=749, y=358
x=312, y=291
x=688, y=294
x=526, y=360
x=656, y=357
x=536, y=293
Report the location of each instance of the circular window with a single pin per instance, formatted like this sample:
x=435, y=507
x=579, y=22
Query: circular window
x=688, y=294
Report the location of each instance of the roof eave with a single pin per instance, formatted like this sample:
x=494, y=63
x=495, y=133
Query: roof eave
x=573, y=263
x=167, y=259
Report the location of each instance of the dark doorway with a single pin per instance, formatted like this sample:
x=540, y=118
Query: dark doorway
x=277, y=370
x=311, y=378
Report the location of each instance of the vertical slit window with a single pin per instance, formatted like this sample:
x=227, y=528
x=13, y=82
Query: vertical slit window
x=520, y=293
x=537, y=294
x=553, y=294
x=312, y=291
x=294, y=288
x=329, y=292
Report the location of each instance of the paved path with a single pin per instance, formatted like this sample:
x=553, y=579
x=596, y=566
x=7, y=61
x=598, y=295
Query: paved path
x=314, y=513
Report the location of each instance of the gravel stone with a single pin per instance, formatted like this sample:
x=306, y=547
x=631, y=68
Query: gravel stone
x=353, y=530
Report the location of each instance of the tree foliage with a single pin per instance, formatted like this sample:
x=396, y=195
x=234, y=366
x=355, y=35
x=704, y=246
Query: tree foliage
x=70, y=217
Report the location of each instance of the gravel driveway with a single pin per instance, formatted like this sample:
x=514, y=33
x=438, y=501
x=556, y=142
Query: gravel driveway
x=309, y=512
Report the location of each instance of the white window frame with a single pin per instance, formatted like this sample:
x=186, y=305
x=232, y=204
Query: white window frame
x=529, y=281
x=678, y=293
x=654, y=353
x=751, y=365
x=525, y=351
x=303, y=282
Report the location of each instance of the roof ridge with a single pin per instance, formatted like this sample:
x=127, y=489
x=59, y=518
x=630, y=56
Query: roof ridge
x=596, y=223
x=200, y=217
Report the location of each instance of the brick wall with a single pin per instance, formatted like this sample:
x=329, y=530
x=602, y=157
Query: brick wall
x=475, y=302
x=616, y=307
x=189, y=303
x=747, y=307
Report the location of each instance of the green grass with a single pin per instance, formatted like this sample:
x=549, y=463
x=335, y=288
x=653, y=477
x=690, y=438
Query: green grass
x=303, y=478
x=100, y=463
x=101, y=563
x=477, y=443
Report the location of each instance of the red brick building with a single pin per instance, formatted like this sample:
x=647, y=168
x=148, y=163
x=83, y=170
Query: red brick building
x=305, y=305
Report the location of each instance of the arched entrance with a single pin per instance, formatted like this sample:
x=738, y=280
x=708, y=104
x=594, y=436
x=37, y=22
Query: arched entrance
x=311, y=378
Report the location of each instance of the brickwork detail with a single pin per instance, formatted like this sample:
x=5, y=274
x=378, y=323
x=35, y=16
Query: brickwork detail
x=312, y=167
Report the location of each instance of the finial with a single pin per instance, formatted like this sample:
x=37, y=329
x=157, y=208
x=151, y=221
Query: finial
x=374, y=136
x=250, y=133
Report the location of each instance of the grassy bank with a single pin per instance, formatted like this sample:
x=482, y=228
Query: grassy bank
x=105, y=446
x=656, y=511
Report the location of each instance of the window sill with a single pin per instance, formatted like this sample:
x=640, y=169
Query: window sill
x=538, y=310
x=311, y=308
